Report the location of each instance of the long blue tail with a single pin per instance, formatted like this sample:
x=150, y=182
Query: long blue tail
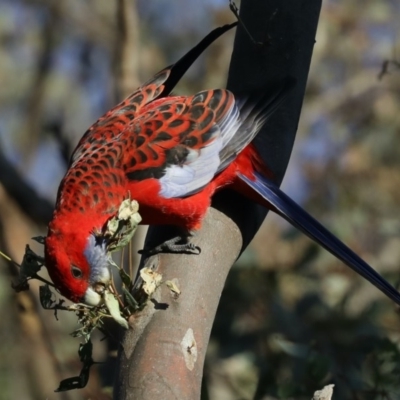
x=293, y=213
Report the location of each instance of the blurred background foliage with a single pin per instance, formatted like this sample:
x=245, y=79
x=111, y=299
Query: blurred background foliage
x=291, y=318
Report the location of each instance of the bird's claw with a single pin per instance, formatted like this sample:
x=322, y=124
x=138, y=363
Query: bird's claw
x=173, y=246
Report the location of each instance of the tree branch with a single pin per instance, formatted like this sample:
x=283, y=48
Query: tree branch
x=155, y=360
x=30, y=202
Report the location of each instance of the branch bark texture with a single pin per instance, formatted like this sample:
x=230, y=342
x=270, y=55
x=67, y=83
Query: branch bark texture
x=162, y=355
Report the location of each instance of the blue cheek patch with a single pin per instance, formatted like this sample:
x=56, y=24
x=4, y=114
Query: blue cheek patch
x=97, y=258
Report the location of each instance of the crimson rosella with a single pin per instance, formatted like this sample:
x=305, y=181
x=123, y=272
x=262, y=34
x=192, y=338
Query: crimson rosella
x=171, y=154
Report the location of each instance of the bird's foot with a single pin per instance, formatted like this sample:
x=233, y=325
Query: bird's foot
x=173, y=246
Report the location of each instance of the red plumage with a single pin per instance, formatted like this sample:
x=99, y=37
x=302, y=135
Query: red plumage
x=170, y=154
x=129, y=151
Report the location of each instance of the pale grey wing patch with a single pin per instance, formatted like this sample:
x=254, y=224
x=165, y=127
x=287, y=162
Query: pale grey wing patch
x=238, y=128
x=229, y=125
x=250, y=114
x=195, y=173
x=254, y=110
x=202, y=165
x=233, y=132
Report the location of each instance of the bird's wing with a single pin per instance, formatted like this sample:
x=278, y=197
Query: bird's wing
x=160, y=86
x=185, y=141
x=107, y=127
x=180, y=142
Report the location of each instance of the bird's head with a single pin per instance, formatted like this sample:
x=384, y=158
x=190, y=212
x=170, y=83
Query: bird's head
x=77, y=261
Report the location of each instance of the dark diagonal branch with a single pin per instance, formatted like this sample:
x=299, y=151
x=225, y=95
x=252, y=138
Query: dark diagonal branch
x=31, y=203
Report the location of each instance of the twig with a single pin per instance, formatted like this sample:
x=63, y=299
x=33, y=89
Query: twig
x=235, y=10
x=385, y=67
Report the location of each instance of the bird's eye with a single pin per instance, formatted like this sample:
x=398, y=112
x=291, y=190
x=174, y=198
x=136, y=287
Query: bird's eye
x=76, y=272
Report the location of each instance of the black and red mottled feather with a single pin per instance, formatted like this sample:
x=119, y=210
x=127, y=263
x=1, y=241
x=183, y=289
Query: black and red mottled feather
x=170, y=153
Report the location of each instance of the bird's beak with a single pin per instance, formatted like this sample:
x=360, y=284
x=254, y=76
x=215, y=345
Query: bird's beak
x=99, y=293
x=91, y=298
x=99, y=283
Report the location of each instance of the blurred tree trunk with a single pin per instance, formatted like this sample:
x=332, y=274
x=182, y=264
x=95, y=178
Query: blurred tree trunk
x=126, y=48
x=162, y=355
